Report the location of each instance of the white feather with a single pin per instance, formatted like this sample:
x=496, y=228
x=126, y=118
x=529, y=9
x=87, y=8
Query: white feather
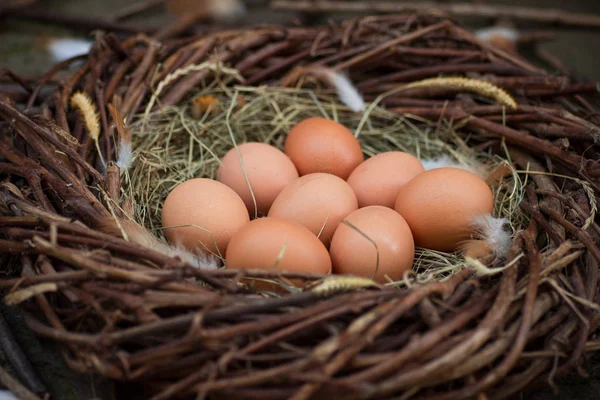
x=125, y=155
x=227, y=10
x=440, y=162
x=446, y=162
x=136, y=233
x=492, y=231
x=488, y=33
x=346, y=91
x=7, y=395
x=65, y=48
x=199, y=260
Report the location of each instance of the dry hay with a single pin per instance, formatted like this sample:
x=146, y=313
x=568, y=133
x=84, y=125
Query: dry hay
x=175, y=144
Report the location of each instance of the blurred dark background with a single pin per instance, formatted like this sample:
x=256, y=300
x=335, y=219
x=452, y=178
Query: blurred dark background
x=24, y=35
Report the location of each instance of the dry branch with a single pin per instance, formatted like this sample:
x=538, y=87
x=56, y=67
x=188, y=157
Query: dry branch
x=554, y=17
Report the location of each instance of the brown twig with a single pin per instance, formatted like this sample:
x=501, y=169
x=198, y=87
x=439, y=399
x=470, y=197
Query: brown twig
x=16, y=387
x=541, y=16
x=19, y=362
x=389, y=44
x=181, y=24
x=512, y=357
x=16, y=78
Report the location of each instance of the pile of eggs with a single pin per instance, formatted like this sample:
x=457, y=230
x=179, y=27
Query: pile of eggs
x=319, y=207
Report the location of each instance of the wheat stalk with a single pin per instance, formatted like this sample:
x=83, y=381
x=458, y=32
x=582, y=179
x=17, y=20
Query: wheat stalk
x=340, y=283
x=87, y=110
x=471, y=85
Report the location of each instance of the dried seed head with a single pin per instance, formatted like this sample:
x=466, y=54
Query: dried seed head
x=341, y=283
x=471, y=85
x=87, y=110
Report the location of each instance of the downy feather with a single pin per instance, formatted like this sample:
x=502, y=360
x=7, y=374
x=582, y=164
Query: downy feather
x=346, y=91
x=141, y=236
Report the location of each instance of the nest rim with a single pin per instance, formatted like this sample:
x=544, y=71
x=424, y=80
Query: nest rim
x=34, y=226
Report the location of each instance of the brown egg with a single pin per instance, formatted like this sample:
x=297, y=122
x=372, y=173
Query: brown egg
x=268, y=243
x=317, y=201
x=322, y=145
x=215, y=211
x=439, y=206
x=352, y=250
x=378, y=180
x=267, y=169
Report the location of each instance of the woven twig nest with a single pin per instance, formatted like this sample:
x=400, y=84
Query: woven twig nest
x=131, y=313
